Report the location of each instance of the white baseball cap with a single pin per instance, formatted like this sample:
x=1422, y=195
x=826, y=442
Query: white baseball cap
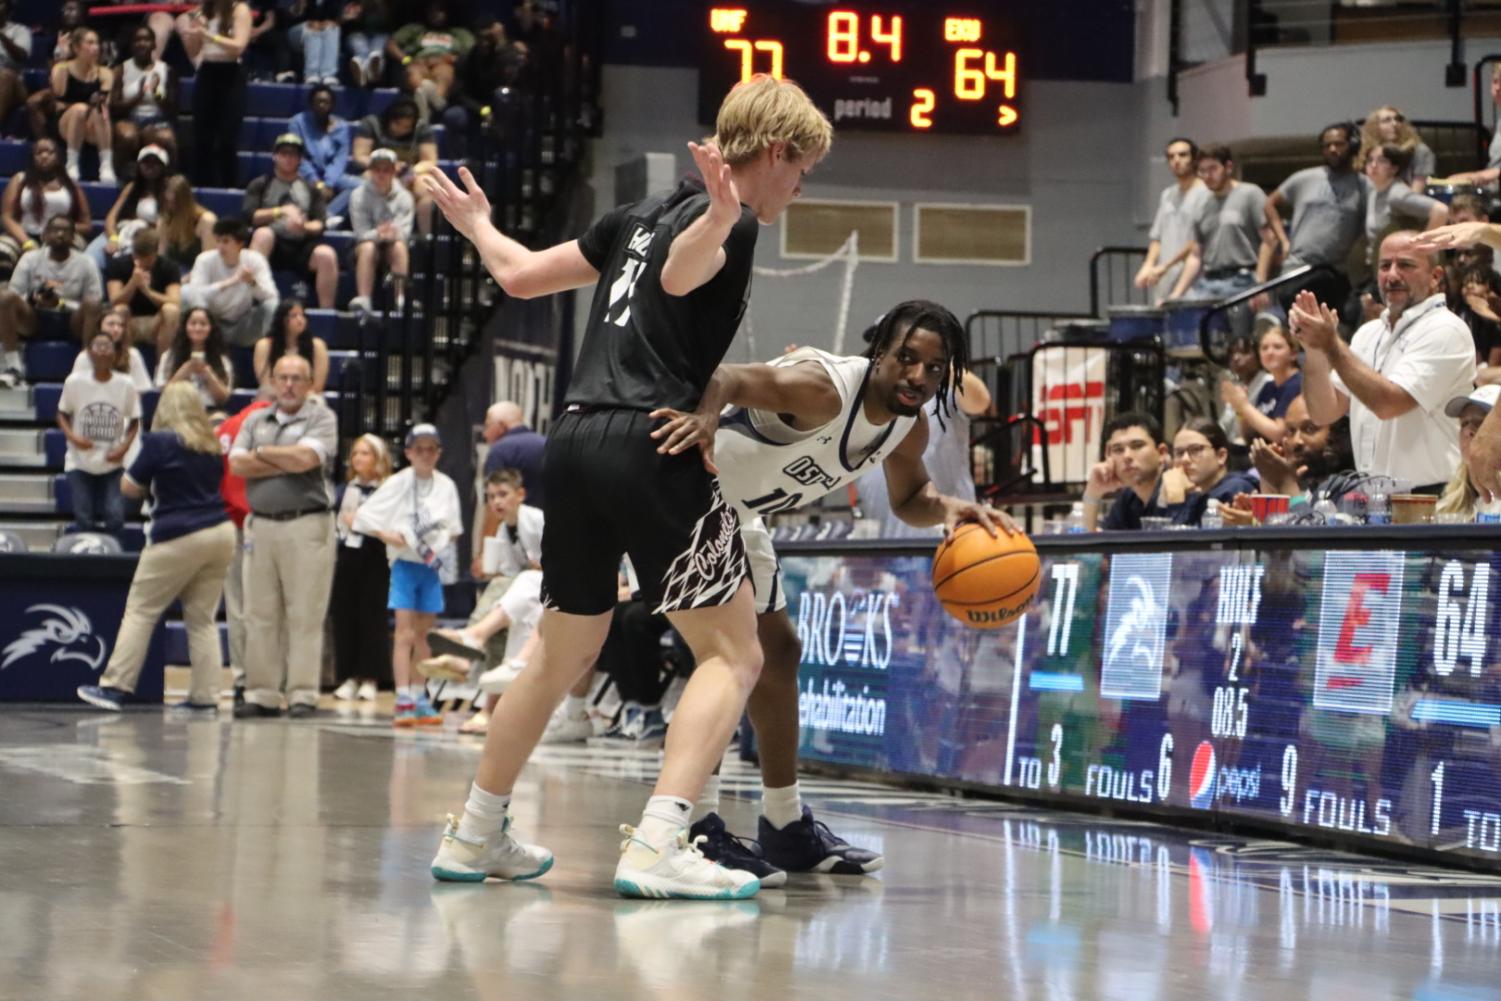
x=1483, y=397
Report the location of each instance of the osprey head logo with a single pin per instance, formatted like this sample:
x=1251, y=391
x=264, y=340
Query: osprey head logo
x=67, y=630
x=1134, y=633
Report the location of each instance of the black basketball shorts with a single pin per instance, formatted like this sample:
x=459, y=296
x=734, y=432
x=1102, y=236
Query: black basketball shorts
x=609, y=493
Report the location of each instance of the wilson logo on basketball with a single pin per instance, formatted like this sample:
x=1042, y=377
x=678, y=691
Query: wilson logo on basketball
x=996, y=616
x=986, y=581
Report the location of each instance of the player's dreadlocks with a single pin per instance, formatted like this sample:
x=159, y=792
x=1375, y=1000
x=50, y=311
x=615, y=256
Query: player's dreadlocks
x=891, y=330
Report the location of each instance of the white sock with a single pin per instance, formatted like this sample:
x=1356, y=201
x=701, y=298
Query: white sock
x=575, y=706
x=782, y=806
x=708, y=800
x=73, y=158
x=484, y=814
x=408, y=693
x=663, y=819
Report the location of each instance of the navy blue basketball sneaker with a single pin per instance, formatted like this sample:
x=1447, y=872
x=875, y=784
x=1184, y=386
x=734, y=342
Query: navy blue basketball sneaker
x=719, y=845
x=807, y=845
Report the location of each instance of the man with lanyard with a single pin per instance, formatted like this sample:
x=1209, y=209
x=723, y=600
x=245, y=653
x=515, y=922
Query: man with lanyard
x=285, y=454
x=799, y=428
x=1397, y=374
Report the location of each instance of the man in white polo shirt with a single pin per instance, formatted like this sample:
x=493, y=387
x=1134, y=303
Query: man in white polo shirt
x=1398, y=372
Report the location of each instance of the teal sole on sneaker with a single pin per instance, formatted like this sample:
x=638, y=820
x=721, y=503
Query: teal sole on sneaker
x=457, y=876
x=628, y=888
x=533, y=875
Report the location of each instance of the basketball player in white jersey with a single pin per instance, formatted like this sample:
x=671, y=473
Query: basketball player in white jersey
x=799, y=428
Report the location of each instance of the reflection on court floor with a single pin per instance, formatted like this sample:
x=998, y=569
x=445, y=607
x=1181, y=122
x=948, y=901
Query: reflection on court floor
x=146, y=857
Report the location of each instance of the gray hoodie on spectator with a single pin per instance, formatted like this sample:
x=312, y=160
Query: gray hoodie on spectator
x=369, y=208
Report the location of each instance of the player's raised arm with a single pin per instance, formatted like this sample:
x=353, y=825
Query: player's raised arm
x=916, y=501
x=522, y=273
x=697, y=254
x=803, y=391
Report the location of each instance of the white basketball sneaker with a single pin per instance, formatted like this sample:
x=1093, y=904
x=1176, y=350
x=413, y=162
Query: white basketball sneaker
x=460, y=860
x=677, y=869
x=565, y=729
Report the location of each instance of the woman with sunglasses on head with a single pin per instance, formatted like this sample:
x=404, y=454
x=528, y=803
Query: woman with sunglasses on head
x=1389, y=126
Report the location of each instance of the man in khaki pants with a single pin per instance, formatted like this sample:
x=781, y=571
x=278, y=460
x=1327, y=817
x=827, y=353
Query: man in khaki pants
x=285, y=453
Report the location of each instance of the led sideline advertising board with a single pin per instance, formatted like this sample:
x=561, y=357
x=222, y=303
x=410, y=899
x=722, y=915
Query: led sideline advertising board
x=1354, y=692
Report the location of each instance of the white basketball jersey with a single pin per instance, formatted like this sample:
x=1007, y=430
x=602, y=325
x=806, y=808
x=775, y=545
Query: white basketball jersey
x=766, y=466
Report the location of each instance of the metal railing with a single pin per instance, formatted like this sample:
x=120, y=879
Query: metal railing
x=1219, y=351
x=1069, y=420
x=1117, y=266
x=409, y=357
x=1481, y=97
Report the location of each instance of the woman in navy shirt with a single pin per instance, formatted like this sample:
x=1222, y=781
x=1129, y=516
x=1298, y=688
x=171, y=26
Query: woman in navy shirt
x=1201, y=450
x=190, y=542
x=1262, y=417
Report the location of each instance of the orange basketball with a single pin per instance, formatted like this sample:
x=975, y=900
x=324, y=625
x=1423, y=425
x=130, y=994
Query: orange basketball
x=986, y=582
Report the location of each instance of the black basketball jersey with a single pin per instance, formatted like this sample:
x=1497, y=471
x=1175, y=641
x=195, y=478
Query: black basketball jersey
x=643, y=348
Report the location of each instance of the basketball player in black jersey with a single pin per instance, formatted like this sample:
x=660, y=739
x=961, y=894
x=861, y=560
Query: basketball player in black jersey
x=671, y=276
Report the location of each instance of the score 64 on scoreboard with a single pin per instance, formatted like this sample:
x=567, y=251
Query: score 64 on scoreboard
x=915, y=68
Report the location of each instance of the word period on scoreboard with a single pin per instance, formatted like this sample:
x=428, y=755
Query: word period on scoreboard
x=913, y=68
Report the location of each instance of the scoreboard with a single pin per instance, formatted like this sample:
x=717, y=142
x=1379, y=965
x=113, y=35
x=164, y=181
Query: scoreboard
x=894, y=67
x=1354, y=692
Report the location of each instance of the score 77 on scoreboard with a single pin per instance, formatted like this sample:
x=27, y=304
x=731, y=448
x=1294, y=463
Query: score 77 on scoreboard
x=910, y=67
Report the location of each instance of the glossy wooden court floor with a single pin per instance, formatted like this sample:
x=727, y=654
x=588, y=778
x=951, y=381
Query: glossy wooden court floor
x=155, y=859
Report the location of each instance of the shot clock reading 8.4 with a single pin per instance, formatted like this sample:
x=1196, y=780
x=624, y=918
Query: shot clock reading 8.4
x=914, y=68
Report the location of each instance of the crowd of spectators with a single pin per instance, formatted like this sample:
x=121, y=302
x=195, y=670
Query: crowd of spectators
x=110, y=113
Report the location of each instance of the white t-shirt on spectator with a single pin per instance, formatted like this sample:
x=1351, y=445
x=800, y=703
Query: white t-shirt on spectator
x=1430, y=354
x=522, y=546
x=100, y=412
x=140, y=377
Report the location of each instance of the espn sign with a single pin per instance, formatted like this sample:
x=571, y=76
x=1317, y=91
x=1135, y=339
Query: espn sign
x=1069, y=399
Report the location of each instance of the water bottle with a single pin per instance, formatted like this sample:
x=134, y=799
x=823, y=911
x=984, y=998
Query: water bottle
x=1378, y=512
x=1488, y=512
x=1075, y=521
x=1212, y=517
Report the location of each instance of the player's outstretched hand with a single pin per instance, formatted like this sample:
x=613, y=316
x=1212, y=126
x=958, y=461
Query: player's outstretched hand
x=684, y=431
x=957, y=512
x=719, y=182
x=465, y=208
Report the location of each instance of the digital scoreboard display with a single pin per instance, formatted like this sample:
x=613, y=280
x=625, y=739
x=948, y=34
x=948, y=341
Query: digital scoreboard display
x=915, y=67
x=1355, y=692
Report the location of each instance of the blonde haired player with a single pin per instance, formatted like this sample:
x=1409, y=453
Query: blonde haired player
x=801, y=427
x=648, y=343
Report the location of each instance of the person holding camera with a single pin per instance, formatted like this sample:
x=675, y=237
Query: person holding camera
x=54, y=278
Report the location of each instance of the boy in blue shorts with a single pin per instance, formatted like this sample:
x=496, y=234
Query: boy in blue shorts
x=416, y=514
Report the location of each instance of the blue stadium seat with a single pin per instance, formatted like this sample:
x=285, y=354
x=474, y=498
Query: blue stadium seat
x=242, y=356
x=50, y=361
x=62, y=497
x=54, y=447
x=100, y=197
x=44, y=398
x=222, y=202
x=53, y=326
x=13, y=156
x=253, y=165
